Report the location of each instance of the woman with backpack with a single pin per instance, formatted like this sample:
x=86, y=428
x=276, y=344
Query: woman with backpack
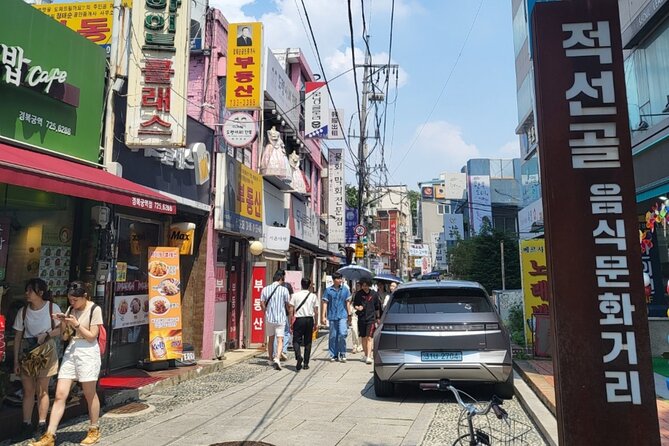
x=35, y=326
x=81, y=362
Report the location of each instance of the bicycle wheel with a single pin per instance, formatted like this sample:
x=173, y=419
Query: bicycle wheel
x=466, y=440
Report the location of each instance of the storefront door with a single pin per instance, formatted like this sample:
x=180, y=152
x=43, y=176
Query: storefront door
x=130, y=329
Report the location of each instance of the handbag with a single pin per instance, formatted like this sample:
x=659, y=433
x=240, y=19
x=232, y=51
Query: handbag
x=38, y=358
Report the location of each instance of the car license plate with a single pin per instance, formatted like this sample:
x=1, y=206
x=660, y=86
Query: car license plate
x=441, y=356
x=188, y=356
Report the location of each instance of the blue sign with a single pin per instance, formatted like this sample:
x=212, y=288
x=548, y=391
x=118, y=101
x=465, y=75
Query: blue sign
x=351, y=222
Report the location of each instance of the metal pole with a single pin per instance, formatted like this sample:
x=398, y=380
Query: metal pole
x=501, y=248
x=362, y=146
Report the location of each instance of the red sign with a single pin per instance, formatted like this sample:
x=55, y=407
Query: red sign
x=232, y=313
x=393, y=238
x=599, y=320
x=4, y=245
x=221, y=289
x=257, y=315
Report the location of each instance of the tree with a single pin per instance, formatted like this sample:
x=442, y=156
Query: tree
x=351, y=196
x=414, y=197
x=479, y=259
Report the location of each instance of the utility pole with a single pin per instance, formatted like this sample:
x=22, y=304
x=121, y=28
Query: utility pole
x=362, y=144
x=501, y=248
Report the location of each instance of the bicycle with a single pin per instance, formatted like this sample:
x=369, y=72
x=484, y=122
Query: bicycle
x=504, y=431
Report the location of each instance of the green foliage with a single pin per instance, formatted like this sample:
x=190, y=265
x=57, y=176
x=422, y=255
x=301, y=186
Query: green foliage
x=479, y=259
x=351, y=196
x=517, y=325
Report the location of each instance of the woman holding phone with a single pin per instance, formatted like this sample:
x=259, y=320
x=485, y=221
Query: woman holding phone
x=81, y=362
x=35, y=326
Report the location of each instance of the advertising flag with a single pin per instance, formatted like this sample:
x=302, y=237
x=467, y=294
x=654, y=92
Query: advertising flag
x=316, y=110
x=164, y=304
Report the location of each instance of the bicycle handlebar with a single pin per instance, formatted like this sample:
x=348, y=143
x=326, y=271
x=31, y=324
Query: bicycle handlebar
x=471, y=409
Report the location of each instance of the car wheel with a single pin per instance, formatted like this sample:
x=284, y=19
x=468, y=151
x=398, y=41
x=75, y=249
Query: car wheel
x=505, y=389
x=383, y=389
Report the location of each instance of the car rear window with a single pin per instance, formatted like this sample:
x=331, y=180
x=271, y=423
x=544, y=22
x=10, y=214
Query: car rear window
x=435, y=301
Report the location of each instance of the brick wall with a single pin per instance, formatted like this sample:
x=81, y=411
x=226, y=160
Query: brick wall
x=193, y=296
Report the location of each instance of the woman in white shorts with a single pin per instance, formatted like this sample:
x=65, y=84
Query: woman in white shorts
x=81, y=362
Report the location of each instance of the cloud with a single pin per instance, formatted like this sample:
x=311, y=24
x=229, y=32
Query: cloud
x=509, y=150
x=439, y=147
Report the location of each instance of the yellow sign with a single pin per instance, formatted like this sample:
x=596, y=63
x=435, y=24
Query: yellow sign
x=92, y=20
x=182, y=236
x=164, y=304
x=359, y=250
x=243, y=87
x=250, y=194
x=121, y=271
x=535, y=279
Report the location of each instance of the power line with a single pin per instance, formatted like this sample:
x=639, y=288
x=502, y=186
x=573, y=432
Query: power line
x=436, y=102
x=355, y=76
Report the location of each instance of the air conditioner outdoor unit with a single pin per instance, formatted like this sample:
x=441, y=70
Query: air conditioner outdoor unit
x=219, y=344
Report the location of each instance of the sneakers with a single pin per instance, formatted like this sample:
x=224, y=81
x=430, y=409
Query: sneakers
x=333, y=359
x=343, y=359
x=364, y=358
x=369, y=360
x=26, y=432
x=283, y=357
x=277, y=364
x=48, y=439
x=92, y=437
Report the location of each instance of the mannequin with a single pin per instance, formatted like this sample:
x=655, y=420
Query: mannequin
x=298, y=180
x=274, y=160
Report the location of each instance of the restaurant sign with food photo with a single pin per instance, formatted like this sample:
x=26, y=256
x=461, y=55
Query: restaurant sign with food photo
x=130, y=311
x=164, y=304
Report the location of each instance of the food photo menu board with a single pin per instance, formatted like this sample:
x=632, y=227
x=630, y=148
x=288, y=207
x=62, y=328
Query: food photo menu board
x=130, y=311
x=164, y=304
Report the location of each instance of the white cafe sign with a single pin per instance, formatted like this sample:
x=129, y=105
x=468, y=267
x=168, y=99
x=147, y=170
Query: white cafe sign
x=239, y=130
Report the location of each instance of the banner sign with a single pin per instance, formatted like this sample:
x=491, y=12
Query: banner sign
x=257, y=315
x=157, y=83
x=243, y=87
x=351, y=223
x=5, y=225
x=130, y=311
x=93, y=20
x=536, y=294
x=599, y=317
x=336, y=205
x=282, y=91
x=294, y=278
x=250, y=201
x=335, y=126
x=316, y=110
x=480, y=204
x=454, y=227
x=233, y=310
x=392, y=244
x=164, y=304
x=238, y=206
x=419, y=250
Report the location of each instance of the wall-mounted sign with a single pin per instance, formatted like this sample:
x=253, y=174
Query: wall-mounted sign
x=277, y=238
x=480, y=203
x=316, y=110
x=243, y=86
x=336, y=204
x=392, y=234
x=419, y=250
x=49, y=99
x=257, y=315
x=182, y=236
x=427, y=192
x=157, y=82
x=239, y=197
x=164, y=304
x=599, y=320
x=130, y=311
x=351, y=222
x=93, y=20
x=240, y=129
x=359, y=250
x=336, y=126
x=282, y=91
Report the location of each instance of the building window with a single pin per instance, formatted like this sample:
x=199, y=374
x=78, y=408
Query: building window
x=443, y=209
x=501, y=169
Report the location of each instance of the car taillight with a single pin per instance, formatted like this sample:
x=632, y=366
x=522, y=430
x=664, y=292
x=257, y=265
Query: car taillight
x=441, y=327
x=388, y=327
x=492, y=327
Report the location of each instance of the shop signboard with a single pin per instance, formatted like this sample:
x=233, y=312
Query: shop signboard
x=250, y=202
x=316, y=110
x=529, y=215
x=257, y=314
x=427, y=192
x=130, y=311
x=165, y=340
x=51, y=83
x=480, y=204
x=392, y=231
x=454, y=227
x=336, y=204
x=599, y=320
x=232, y=309
x=240, y=129
x=294, y=278
x=4, y=245
x=304, y=224
x=182, y=236
x=244, y=66
x=93, y=20
x=277, y=238
x=351, y=223
x=359, y=250
x=419, y=250
x=282, y=91
x=453, y=188
x=335, y=126
x=238, y=206
x=157, y=83
x=535, y=280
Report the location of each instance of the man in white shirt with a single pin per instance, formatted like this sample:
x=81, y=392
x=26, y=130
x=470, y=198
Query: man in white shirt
x=274, y=302
x=303, y=307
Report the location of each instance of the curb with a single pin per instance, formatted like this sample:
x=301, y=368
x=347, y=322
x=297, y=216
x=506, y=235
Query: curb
x=532, y=385
x=536, y=409
x=114, y=397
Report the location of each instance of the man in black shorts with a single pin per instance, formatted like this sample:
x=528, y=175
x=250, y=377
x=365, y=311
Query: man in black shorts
x=368, y=308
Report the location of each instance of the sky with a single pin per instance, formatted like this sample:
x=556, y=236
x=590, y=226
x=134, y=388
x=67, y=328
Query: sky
x=457, y=96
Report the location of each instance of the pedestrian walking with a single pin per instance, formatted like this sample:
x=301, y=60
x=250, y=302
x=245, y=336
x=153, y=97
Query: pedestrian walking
x=36, y=330
x=81, y=362
x=287, y=333
x=391, y=288
x=337, y=309
x=353, y=323
x=304, y=314
x=368, y=306
x=274, y=302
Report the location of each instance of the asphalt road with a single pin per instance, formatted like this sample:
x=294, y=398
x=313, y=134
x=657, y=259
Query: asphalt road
x=330, y=404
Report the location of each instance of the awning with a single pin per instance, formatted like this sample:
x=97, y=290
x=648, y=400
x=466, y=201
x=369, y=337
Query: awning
x=37, y=170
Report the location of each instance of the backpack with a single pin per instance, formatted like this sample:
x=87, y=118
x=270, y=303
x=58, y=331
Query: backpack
x=102, y=331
